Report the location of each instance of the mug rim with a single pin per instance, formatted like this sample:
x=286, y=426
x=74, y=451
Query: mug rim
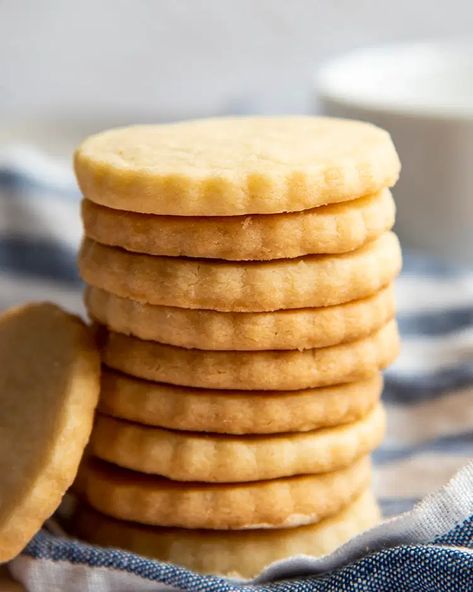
x=345, y=79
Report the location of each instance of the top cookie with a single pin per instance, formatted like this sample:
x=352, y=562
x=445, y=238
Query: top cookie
x=234, y=166
x=49, y=387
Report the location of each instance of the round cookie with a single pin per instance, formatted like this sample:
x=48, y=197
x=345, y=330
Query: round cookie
x=235, y=412
x=49, y=386
x=304, y=328
x=336, y=228
x=235, y=165
x=312, y=281
x=277, y=503
x=241, y=553
x=218, y=458
x=259, y=370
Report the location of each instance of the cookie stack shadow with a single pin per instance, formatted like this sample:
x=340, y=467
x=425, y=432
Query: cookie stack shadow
x=242, y=358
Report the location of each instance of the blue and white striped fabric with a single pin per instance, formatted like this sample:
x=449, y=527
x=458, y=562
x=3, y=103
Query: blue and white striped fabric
x=429, y=398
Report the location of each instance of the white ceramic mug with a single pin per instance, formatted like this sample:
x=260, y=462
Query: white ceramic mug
x=423, y=95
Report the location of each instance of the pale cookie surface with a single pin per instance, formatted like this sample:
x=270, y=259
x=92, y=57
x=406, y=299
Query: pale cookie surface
x=336, y=228
x=235, y=412
x=231, y=166
x=212, y=330
x=259, y=370
x=49, y=386
x=233, y=553
x=315, y=280
x=217, y=458
x=276, y=503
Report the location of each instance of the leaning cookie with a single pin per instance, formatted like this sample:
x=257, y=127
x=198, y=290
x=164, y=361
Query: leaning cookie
x=49, y=386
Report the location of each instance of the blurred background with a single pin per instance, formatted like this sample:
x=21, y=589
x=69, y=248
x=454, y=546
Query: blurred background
x=65, y=64
x=68, y=69
x=193, y=57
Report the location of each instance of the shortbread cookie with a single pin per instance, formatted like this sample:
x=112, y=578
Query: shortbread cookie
x=190, y=456
x=235, y=412
x=315, y=280
x=259, y=370
x=241, y=553
x=206, y=329
x=336, y=228
x=277, y=503
x=231, y=166
x=49, y=386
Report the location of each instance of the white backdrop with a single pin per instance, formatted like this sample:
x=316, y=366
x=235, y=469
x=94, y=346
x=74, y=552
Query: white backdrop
x=173, y=58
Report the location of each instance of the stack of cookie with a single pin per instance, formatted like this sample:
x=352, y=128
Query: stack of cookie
x=240, y=272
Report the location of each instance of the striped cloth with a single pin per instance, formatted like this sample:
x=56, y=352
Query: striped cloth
x=428, y=395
